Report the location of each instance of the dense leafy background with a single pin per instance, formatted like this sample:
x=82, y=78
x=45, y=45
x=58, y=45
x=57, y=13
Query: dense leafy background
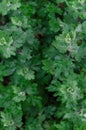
x=43, y=65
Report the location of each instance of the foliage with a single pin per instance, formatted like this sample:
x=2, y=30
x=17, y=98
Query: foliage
x=43, y=65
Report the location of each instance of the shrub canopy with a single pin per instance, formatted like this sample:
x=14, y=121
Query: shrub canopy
x=43, y=64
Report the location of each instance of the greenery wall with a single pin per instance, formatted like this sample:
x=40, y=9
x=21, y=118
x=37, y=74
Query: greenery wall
x=42, y=64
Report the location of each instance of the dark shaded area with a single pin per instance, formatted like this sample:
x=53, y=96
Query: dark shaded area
x=4, y=20
x=6, y=81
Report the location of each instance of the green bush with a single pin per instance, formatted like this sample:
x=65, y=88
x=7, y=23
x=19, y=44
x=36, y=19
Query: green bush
x=43, y=65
